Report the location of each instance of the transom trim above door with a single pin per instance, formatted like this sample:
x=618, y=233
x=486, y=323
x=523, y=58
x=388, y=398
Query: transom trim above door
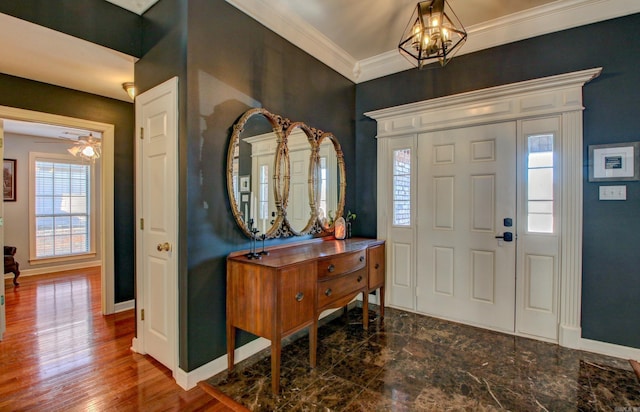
x=538, y=97
x=559, y=95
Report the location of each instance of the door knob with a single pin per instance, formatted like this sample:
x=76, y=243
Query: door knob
x=166, y=246
x=506, y=236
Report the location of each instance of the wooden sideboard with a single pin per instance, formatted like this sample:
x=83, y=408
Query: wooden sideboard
x=287, y=290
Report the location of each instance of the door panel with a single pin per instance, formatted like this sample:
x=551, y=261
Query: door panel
x=156, y=115
x=538, y=234
x=464, y=272
x=401, y=166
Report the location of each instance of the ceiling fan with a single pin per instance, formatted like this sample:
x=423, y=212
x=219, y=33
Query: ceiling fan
x=88, y=147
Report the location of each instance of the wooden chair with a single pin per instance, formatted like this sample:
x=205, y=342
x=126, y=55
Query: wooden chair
x=10, y=263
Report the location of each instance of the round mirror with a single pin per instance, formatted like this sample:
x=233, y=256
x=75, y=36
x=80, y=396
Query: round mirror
x=253, y=178
x=329, y=184
x=298, y=203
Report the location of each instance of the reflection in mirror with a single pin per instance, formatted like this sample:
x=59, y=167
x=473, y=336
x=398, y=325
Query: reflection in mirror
x=252, y=175
x=329, y=181
x=299, y=205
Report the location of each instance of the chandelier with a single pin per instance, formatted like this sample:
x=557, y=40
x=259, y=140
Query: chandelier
x=434, y=32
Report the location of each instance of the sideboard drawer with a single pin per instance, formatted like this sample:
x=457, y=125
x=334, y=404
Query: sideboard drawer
x=341, y=264
x=336, y=288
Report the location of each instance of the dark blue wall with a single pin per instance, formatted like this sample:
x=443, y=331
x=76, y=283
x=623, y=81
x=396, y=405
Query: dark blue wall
x=611, y=262
x=232, y=64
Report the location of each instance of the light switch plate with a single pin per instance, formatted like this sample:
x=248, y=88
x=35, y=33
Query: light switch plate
x=613, y=192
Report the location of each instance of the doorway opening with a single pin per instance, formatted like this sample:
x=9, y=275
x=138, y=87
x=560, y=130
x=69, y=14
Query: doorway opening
x=105, y=222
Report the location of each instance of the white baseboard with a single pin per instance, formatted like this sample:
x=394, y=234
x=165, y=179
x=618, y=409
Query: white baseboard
x=54, y=269
x=609, y=349
x=122, y=306
x=188, y=380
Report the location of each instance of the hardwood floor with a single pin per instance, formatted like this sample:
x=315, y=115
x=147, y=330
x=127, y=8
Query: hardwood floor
x=60, y=354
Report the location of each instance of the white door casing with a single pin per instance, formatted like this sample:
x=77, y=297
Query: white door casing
x=156, y=211
x=559, y=95
x=107, y=271
x=467, y=186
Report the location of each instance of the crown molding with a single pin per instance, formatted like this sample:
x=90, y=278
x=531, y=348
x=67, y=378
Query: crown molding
x=549, y=18
x=297, y=31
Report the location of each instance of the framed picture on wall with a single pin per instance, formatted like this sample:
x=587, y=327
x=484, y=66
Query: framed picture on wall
x=9, y=180
x=245, y=182
x=614, y=162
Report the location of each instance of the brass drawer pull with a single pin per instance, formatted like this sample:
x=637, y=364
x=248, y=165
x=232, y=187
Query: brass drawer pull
x=361, y=258
x=328, y=292
x=331, y=268
x=359, y=278
x=299, y=296
x=377, y=266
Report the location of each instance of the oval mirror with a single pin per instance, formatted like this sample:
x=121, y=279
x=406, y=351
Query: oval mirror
x=329, y=183
x=252, y=173
x=298, y=204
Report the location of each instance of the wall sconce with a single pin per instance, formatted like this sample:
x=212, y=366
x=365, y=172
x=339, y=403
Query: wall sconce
x=434, y=32
x=130, y=88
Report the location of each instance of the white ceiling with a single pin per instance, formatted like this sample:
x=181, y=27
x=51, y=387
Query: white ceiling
x=357, y=38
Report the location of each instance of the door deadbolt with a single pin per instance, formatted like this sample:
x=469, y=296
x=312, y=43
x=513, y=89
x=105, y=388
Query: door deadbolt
x=166, y=246
x=506, y=236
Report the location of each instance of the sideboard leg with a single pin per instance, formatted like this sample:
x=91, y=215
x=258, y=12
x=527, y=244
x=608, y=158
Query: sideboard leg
x=231, y=345
x=365, y=310
x=276, y=349
x=313, y=342
x=381, y=301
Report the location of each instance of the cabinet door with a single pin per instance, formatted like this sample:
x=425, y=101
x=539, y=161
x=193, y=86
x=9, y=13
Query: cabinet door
x=376, y=266
x=297, y=295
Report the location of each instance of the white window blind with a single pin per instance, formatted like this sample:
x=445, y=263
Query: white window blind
x=62, y=208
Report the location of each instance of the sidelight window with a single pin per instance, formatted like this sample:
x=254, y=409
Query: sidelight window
x=540, y=183
x=402, y=187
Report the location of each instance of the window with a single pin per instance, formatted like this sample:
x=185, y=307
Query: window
x=264, y=192
x=540, y=183
x=61, y=212
x=402, y=187
x=322, y=200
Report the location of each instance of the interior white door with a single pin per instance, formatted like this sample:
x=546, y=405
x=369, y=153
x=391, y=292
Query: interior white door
x=467, y=191
x=156, y=119
x=3, y=322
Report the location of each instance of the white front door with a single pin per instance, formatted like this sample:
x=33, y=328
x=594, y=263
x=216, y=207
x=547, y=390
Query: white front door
x=466, y=200
x=157, y=207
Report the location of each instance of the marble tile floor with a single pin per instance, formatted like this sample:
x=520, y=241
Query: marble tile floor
x=410, y=362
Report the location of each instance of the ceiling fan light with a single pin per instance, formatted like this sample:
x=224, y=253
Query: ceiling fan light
x=434, y=33
x=88, y=151
x=74, y=150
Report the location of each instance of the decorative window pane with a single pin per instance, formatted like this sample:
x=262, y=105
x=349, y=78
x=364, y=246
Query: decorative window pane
x=264, y=192
x=402, y=187
x=540, y=183
x=62, y=208
x=322, y=204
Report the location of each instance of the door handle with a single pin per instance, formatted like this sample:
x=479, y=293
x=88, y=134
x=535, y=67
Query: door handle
x=166, y=246
x=506, y=236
